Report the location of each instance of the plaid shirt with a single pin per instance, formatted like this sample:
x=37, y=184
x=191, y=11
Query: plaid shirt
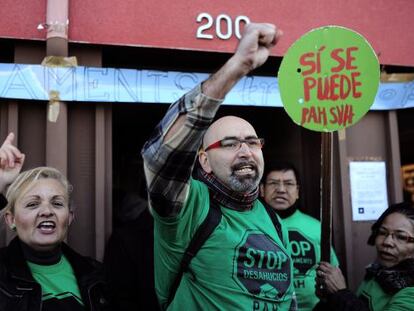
x=168, y=164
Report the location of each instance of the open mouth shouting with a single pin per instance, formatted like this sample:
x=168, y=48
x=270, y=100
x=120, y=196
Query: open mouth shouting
x=47, y=227
x=248, y=169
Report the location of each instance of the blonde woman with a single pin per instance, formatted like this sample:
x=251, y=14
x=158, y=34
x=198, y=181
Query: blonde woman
x=38, y=271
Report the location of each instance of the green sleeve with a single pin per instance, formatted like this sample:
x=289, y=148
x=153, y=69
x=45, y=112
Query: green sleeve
x=401, y=301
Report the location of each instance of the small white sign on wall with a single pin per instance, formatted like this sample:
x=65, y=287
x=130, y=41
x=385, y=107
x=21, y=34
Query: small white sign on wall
x=368, y=189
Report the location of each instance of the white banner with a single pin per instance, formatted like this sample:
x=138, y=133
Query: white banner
x=93, y=84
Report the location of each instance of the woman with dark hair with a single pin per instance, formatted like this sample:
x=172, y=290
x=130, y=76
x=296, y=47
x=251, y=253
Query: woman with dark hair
x=389, y=281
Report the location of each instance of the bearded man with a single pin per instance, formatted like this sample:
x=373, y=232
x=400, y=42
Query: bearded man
x=245, y=263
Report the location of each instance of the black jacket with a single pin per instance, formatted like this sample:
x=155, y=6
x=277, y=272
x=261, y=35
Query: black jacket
x=20, y=292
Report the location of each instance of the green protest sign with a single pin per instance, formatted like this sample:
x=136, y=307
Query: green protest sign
x=328, y=79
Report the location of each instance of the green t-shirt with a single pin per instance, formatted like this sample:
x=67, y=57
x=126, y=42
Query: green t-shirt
x=242, y=266
x=378, y=300
x=60, y=291
x=305, y=236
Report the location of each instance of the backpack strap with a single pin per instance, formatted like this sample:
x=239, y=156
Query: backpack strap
x=200, y=237
x=203, y=232
x=275, y=220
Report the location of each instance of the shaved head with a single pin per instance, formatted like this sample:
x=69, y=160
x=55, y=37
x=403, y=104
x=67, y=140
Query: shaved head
x=225, y=127
x=240, y=169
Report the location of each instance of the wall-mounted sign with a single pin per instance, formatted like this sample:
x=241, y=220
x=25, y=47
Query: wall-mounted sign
x=328, y=79
x=154, y=23
x=368, y=189
x=222, y=27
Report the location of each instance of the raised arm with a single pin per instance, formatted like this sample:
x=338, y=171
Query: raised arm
x=170, y=153
x=253, y=50
x=11, y=162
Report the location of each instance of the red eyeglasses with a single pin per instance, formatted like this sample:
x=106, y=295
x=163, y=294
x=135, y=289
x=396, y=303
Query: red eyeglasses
x=234, y=144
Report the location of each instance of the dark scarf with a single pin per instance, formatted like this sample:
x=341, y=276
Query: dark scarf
x=225, y=196
x=41, y=258
x=394, y=278
x=289, y=211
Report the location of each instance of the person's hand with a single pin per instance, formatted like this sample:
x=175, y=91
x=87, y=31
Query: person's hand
x=11, y=162
x=256, y=43
x=252, y=51
x=329, y=279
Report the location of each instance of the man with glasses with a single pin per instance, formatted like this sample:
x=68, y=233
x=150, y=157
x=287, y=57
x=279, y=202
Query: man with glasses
x=244, y=264
x=280, y=191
